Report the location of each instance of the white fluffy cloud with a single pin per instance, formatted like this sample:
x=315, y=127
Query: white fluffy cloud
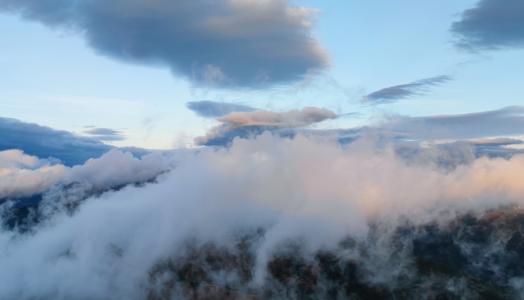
x=294, y=188
x=17, y=159
x=23, y=175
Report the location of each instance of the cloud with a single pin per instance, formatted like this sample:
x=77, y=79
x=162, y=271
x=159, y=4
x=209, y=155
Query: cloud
x=491, y=24
x=118, y=167
x=213, y=109
x=252, y=123
x=485, y=132
x=47, y=142
x=502, y=141
x=290, y=119
x=497, y=147
x=105, y=134
x=227, y=43
x=402, y=91
x=23, y=175
x=224, y=135
x=488, y=133
x=507, y=121
x=266, y=195
x=17, y=159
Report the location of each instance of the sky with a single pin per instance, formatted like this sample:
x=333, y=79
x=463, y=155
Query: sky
x=217, y=149
x=70, y=78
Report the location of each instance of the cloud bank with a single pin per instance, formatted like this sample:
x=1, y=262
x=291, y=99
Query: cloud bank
x=180, y=236
x=402, y=91
x=507, y=121
x=491, y=24
x=228, y=43
x=23, y=175
x=488, y=131
x=46, y=142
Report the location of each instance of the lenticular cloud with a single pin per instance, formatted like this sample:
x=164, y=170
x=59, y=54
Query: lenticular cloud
x=265, y=218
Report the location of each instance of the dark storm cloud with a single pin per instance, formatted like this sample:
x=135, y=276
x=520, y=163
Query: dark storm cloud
x=105, y=134
x=491, y=24
x=402, y=91
x=213, y=109
x=46, y=142
x=230, y=43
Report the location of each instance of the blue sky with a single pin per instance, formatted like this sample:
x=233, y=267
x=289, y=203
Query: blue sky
x=54, y=78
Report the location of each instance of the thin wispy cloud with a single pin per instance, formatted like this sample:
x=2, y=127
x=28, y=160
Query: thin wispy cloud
x=402, y=91
x=105, y=134
x=491, y=24
x=501, y=141
x=226, y=43
x=214, y=109
x=507, y=121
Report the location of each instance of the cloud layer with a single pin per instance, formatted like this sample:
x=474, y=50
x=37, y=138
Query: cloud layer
x=402, y=91
x=311, y=193
x=507, y=121
x=491, y=24
x=488, y=131
x=235, y=43
x=47, y=142
x=23, y=175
